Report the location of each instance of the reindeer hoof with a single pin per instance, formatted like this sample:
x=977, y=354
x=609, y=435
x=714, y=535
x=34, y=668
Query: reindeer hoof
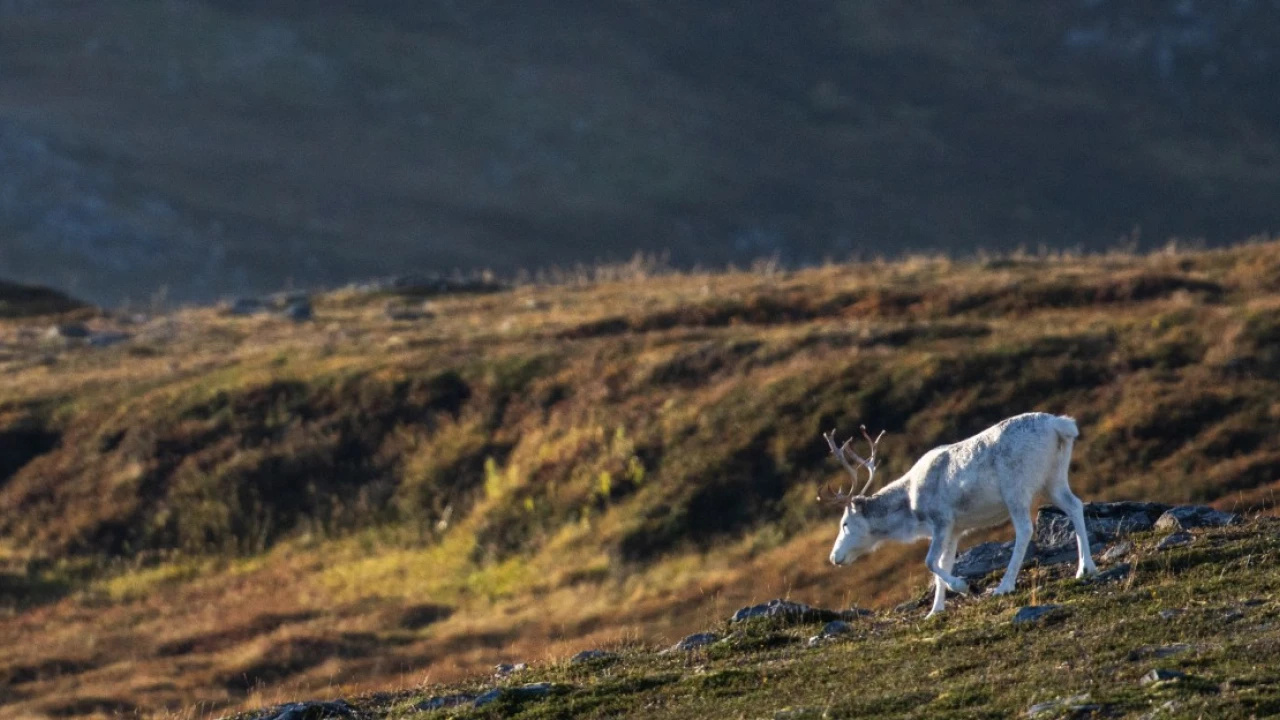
x=1085, y=572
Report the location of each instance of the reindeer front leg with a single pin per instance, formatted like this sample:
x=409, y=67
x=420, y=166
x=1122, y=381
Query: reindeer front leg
x=1021, y=540
x=937, y=545
x=939, y=587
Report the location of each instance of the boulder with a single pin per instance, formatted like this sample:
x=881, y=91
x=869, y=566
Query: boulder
x=505, y=669
x=107, y=339
x=796, y=612
x=67, y=331
x=1119, y=572
x=1072, y=706
x=524, y=692
x=1158, y=651
x=587, y=656
x=1190, y=517
x=309, y=711
x=1160, y=676
x=1035, y=614
x=299, y=311
x=1117, y=551
x=692, y=642
x=244, y=306
x=1177, y=539
x=1054, y=540
x=441, y=702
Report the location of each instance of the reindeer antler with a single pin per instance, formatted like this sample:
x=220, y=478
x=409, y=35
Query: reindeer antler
x=843, y=452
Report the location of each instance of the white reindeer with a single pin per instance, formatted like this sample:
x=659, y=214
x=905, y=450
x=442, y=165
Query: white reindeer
x=975, y=483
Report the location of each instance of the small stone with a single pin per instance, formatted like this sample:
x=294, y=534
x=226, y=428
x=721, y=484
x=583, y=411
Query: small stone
x=67, y=331
x=589, y=655
x=1161, y=675
x=1177, y=539
x=798, y=612
x=1117, y=551
x=1037, y=613
x=524, y=692
x=1171, y=613
x=1074, y=705
x=1189, y=517
x=836, y=627
x=1119, y=572
x=245, y=306
x=1253, y=602
x=107, y=339
x=310, y=711
x=444, y=701
x=299, y=311
x=693, y=641
x=1158, y=652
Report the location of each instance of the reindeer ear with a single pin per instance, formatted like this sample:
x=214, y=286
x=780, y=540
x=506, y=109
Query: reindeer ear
x=859, y=503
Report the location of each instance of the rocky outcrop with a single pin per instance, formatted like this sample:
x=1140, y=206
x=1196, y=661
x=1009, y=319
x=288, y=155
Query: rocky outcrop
x=1054, y=539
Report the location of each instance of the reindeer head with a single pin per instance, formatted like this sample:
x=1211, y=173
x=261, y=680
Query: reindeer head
x=855, y=534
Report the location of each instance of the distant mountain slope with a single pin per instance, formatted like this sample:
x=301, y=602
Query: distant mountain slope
x=223, y=146
x=17, y=301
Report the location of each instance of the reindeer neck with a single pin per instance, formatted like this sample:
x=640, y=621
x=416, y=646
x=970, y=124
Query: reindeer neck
x=889, y=515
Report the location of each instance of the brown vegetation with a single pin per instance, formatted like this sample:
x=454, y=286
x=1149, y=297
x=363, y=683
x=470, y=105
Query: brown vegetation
x=231, y=510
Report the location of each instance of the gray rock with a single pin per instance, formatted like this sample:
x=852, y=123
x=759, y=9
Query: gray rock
x=1105, y=521
x=67, y=331
x=1158, y=651
x=587, y=656
x=309, y=711
x=1032, y=614
x=444, y=701
x=691, y=642
x=531, y=691
x=1074, y=705
x=794, y=611
x=1117, y=551
x=1054, y=540
x=107, y=339
x=836, y=627
x=830, y=631
x=1112, y=574
x=1177, y=539
x=1161, y=676
x=245, y=306
x=983, y=559
x=299, y=311
x=1190, y=517
x=400, y=313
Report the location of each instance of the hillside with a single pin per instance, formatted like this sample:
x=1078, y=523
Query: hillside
x=226, y=511
x=1184, y=633
x=219, y=147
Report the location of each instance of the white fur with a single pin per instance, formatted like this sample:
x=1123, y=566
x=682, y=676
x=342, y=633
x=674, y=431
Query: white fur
x=976, y=483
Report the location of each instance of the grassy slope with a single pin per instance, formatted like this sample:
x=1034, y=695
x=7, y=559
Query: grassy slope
x=231, y=511
x=971, y=663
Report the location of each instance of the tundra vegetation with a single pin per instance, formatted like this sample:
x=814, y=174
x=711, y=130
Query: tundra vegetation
x=230, y=511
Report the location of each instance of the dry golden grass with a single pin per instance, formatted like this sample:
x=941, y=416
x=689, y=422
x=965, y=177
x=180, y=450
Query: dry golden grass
x=235, y=511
